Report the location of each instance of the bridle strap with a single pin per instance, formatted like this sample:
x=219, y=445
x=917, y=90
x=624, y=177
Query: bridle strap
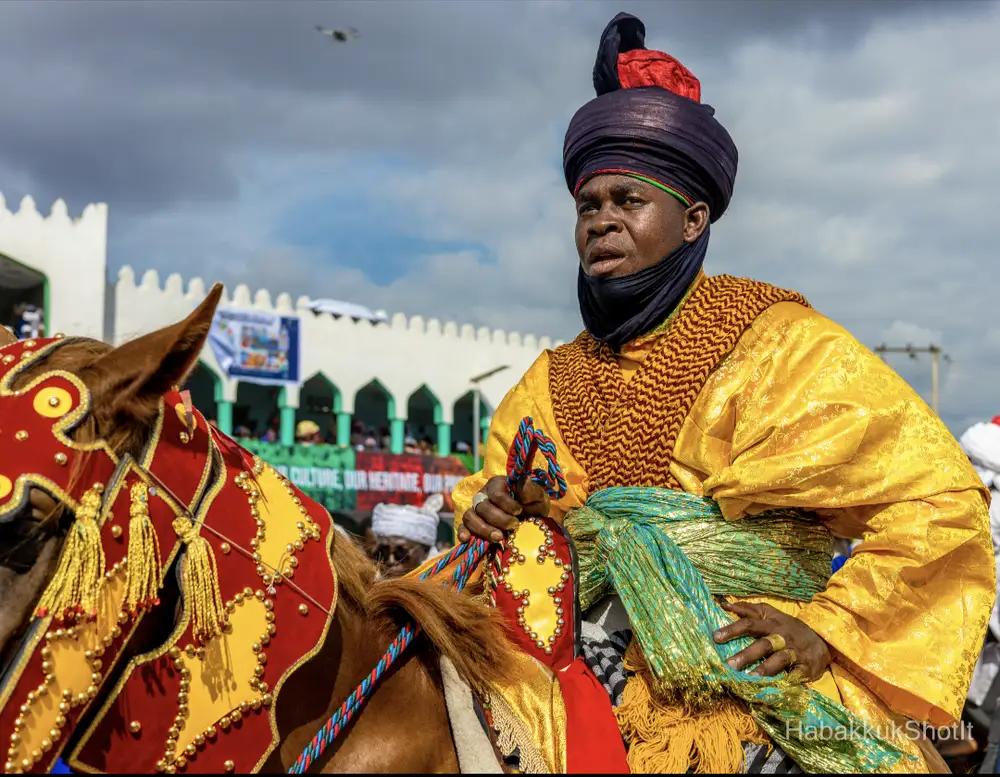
x=155, y=482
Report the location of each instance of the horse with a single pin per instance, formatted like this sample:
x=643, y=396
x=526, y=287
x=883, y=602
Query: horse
x=405, y=725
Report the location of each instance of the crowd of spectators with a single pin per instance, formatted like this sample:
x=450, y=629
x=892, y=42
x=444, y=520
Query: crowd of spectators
x=363, y=437
x=26, y=321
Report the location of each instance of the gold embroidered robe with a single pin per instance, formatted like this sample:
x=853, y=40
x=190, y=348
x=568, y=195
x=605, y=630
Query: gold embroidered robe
x=801, y=415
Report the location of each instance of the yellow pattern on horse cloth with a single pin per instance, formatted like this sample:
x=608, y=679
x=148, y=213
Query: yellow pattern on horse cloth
x=801, y=415
x=529, y=714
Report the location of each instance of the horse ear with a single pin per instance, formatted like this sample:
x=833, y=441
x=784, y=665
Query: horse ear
x=153, y=364
x=7, y=336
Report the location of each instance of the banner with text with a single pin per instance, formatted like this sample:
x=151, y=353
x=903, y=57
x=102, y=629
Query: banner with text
x=255, y=346
x=342, y=479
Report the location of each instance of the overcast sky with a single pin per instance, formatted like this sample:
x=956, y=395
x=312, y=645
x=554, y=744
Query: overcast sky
x=417, y=169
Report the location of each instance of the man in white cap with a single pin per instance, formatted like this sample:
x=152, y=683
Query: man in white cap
x=981, y=443
x=402, y=537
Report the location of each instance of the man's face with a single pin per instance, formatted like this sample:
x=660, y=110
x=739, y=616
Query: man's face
x=397, y=556
x=624, y=225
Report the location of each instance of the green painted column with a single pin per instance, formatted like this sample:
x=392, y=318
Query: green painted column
x=397, y=431
x=47, y=330
x=343, y=429
x=288, y=426
x=444, y=439
x=224, y=416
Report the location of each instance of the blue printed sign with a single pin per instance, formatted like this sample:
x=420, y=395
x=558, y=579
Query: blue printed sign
x=255, y=346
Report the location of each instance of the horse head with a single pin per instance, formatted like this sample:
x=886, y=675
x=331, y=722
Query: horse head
x=114, y=394
x=159, y=585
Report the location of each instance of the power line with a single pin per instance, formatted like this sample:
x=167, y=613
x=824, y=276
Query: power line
x=913, y=352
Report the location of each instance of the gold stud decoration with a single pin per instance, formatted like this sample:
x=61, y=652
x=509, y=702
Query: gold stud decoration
x=543, y=625
x=53, y=402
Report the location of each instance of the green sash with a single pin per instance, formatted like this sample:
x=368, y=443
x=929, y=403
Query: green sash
x=666, y=554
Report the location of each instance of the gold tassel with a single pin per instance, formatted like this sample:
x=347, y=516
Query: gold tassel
x=75, y=588
x=673, y=740
x=201, y=582
x=143, y=568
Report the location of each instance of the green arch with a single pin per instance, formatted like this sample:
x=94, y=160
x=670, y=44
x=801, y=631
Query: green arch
x=438, y=413
x=334, y=389
x=390, y=399
x=396, y=425
x=343, y=423
x=441, y=434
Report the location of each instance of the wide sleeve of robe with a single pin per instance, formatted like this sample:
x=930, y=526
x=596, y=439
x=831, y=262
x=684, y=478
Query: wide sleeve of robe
x=802, y=415
x=529, y=398
x=821, y=423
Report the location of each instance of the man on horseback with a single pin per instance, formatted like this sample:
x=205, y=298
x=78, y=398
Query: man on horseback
x=715, y=433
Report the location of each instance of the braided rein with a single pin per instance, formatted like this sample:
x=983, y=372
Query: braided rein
x=523, y=448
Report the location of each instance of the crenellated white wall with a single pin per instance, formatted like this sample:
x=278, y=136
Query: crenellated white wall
x=72, y=253
x=403, y=355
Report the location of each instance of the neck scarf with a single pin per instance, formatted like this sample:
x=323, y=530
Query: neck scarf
x=618, y=310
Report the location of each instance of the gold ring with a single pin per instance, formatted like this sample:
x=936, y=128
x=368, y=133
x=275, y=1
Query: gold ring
x=791, y=657
x=777, y=642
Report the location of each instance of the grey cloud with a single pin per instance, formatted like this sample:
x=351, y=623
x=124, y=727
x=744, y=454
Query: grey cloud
x=868, y=158
x=145, y=104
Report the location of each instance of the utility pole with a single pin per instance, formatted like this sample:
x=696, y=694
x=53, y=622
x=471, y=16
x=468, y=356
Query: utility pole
x=936, y=355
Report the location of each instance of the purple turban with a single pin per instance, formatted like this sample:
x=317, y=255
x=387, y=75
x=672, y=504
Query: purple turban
x=647, y=121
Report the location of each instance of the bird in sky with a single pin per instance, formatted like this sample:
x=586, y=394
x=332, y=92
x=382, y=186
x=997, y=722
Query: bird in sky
x=342, y=35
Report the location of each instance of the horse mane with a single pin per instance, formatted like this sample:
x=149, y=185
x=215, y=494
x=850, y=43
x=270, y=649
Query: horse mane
x=464, y=630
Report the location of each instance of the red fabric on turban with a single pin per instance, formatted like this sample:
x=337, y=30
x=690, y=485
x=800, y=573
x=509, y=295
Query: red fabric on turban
x=648, y=119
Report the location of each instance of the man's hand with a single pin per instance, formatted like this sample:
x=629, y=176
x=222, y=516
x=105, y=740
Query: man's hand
x=497, y=512
x=799, y=647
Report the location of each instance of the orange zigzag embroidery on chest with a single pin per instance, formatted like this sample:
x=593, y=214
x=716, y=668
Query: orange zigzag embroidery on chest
x=624, y=435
